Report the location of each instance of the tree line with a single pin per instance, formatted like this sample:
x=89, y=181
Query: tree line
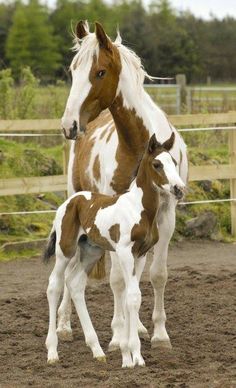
x=169, y=42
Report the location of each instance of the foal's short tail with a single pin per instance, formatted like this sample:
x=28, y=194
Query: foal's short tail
x=49, y=250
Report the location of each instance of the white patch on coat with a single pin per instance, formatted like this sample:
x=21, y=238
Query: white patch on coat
x=126, y=212
x=170, y=171
x=106, y=152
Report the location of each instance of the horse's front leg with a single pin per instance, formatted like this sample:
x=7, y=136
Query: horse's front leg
x=64, y=330
x=159, y=275
x=118, y=287
x=130, y=344
x=139, y=267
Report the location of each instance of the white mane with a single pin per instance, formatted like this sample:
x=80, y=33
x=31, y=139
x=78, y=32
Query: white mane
x=88, y=47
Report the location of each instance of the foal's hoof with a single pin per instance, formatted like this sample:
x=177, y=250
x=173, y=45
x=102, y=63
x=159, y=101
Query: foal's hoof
x=52, y=357
x=101, y=359
x=65, y=335
x=53, y=361
x=161, y=344
x=113, y=346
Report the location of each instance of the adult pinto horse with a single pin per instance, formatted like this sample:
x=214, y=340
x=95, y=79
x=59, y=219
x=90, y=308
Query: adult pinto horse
x=109, y=118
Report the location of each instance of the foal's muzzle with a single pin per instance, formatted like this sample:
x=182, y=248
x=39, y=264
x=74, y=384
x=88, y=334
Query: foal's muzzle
x=72, y=132
x=178, y=192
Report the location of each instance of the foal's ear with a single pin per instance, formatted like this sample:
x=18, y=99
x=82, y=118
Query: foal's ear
x=103, y=40
x=168, y=144
x=153, y=144
x=82, y=29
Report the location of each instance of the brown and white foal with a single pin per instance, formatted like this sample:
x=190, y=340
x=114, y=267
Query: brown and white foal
x=123, y=223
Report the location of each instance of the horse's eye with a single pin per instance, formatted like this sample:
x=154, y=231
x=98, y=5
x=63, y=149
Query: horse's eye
x=101, y=73
x=157, y=165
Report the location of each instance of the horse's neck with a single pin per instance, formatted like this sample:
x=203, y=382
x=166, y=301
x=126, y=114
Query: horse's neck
x=137, y=117
x=131, y=130
x=150, y=196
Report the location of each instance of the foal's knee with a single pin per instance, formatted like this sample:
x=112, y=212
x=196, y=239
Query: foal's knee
x=133, y=298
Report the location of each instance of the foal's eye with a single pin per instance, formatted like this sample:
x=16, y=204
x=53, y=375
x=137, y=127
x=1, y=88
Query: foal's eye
x=101, y=73
x=157, y=165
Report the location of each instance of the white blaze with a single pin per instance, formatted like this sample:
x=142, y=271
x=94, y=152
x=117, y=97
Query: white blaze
x=170, y=171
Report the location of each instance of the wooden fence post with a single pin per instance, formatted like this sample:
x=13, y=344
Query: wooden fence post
x=232, y=156
x=182, y=82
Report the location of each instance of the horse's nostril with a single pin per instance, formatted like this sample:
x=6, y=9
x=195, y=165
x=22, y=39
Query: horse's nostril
x=74, y=125
x=178, y=192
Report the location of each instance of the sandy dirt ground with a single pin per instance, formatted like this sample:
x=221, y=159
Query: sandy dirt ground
x=200, y=307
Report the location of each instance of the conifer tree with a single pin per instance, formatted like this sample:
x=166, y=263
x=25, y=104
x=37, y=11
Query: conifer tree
x=31, y=41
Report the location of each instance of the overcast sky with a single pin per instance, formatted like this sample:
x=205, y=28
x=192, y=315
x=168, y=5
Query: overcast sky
x=204, y=8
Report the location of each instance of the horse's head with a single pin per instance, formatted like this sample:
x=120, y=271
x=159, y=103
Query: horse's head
x=162, y=167
x=95, y=73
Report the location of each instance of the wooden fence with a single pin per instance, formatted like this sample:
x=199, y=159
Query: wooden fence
x=196, y=122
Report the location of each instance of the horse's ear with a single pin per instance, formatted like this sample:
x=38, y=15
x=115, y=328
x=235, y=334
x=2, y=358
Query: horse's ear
x=153, y=144
x=103, y=40
x=168, y=144
x=81, y=29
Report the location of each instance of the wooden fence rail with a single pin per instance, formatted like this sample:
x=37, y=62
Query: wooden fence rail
x=29, y=185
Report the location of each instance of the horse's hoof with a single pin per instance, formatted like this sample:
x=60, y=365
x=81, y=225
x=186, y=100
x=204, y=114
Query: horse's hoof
x=113, y=346
x=65, y=335
x=161, y=344
x=144, y=335
x=101, y=359
x=128, y=365
x=139, y=362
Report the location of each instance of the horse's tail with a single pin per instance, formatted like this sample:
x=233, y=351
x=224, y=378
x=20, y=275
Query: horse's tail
x=49, y=250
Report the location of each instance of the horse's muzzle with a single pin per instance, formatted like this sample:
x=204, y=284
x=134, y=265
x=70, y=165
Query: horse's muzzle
x=178, y=192
x=72, y=132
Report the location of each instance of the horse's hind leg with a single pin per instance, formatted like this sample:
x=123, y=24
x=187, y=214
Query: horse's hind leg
x=53, y=294
x=158, y=274
x=64, y=330
x=76, y=282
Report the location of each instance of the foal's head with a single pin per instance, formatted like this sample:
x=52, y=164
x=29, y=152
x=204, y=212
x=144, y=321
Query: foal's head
x=160, y=167
x=95, y=73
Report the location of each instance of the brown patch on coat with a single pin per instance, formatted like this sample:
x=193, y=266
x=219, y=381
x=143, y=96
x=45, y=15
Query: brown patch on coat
x=103, y=89
x=133, y=138
x=69, y=230
x=114, y=232
x=96, y=169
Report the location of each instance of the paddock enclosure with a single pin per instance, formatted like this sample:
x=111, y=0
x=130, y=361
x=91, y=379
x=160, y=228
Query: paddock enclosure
x=200, y=319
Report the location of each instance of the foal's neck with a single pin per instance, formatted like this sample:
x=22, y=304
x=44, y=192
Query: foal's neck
x=150, y=199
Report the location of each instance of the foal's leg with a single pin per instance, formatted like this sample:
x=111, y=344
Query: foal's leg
x=139, y=267
x=53, y=294
x=159, y=275
x=130, y=343
x=76, y=282
x=118, y=286
x=64, y=330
